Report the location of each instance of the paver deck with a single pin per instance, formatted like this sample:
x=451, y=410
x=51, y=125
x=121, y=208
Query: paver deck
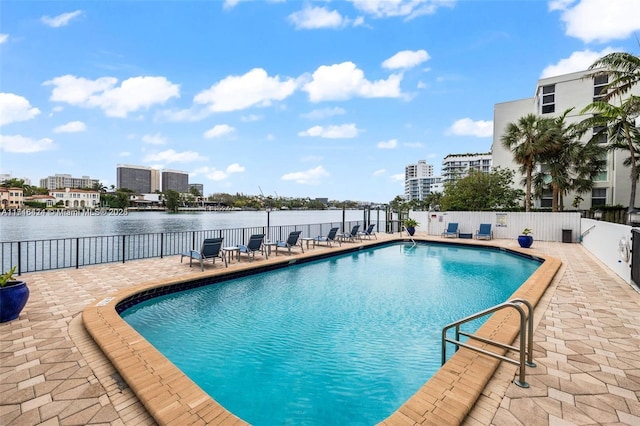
x=587, y=344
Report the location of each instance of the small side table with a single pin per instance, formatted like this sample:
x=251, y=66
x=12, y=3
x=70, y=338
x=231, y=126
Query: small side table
x=229, y=252
x=267, y=246
x=308, y=240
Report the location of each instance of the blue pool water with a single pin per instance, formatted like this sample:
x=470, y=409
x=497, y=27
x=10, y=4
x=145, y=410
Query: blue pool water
x=345, y=340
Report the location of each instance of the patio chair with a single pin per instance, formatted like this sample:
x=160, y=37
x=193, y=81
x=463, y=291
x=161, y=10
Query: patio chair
x=451, y=231
x=292, y=242
x=254, y=245
x=485, y=232
x=211, y=249
x=368, y=233
x=330, y=238
x=350, y=236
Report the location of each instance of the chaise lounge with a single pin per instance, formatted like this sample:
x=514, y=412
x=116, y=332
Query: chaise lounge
x=451, y=231
x=292, y=242
x=211, y=249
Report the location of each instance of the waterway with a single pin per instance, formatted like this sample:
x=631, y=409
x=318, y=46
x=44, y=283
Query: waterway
x=48, y=225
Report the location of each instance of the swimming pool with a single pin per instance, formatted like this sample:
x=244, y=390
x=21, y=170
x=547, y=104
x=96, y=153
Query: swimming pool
x=359, y=340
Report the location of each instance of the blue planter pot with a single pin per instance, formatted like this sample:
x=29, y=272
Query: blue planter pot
x=525, y=241
x=13, y=298
x=411, y=230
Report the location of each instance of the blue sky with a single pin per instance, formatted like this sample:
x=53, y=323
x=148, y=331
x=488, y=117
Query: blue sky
x=296, y=98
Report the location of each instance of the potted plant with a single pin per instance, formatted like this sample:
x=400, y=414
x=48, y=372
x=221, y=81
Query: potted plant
x=13, y=295
x=410, y=225
x=525, y=239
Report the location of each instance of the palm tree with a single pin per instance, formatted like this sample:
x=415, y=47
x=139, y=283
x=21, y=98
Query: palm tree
x=623, y=69
x=528, y=139
x=618, y=124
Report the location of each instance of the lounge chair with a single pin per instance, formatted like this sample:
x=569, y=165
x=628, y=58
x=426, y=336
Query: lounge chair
x=292, y=242
x=211, y=249
x=368, y=233
x=350, y=236
x=485, y=232
x=451, y=231
x=330, y=238
x=254, y=245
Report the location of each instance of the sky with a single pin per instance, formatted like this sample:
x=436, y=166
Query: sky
x=286, y=98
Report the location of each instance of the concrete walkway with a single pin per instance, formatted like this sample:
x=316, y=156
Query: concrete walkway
x=587, y=347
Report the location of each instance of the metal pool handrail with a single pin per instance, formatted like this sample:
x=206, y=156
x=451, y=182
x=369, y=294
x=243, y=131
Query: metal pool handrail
x=526, y=337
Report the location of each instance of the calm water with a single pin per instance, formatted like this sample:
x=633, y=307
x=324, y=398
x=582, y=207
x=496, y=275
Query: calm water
x=340, y=341
x=47, y=226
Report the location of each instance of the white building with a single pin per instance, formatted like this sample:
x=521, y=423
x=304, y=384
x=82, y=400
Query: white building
x=76, y=198
x=457, y=166
x=419, y=181
x=60, y=181
x=553, y=96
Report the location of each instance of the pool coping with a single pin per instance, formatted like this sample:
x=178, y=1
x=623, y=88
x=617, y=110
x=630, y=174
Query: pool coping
x=172, y=398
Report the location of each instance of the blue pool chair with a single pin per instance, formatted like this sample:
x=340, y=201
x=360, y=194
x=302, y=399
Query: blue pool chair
x=351, y=236
x=292, y=242
x=451, y=231
x=368, y=233
x=254, y=245
x=211, y=249
x=485, y=232
x=330, y=238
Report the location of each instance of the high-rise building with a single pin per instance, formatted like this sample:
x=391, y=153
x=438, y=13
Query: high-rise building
x=136, y=178
x=457, y=166
x=554, y=96
x=419, y=181
x=61, y=181
x=175, y=180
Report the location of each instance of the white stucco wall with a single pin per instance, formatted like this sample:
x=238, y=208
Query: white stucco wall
x=602, y=239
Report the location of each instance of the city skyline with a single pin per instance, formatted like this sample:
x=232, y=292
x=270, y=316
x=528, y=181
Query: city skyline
x=319, y=99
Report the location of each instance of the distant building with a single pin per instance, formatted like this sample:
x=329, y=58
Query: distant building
x=419, y=181
x=138, y=179
x=555, y=95
x=59, y=181
x=198, y=186
x=457, y=166
x=11, y=198
x=175, y=180
x=76, y=198
x=47, y=200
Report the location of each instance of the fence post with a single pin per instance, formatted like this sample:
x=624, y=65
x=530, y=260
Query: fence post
x=161, y=244
x=19, y=257
x=77, y=252
x=123, y=248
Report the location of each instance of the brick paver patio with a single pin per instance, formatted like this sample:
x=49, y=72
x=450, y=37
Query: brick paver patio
x=586, y=347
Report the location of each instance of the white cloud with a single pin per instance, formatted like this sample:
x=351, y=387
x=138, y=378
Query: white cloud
x=60, y=20
x=406, y=59
x=4, y=38
x=311, y=18
x=184, y=115
x=15, y=108
x=407, y=8
x=254, y=88
x=390, y=144
x=468, y=127
x=219, y=130
x=344, y=81
x=156, y=139
x=578, y=61
x=599, y=20
x=24, y=145
x=380, y=172
x=132, y=95
x=251, y=117
x=171, y=156
x=309, y=177
x=218, y=175
x=319, y=114
x=342, y=131
x=71, y=127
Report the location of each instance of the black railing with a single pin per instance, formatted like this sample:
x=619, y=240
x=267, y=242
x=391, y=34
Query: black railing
x=43, y=255
x=635, y=256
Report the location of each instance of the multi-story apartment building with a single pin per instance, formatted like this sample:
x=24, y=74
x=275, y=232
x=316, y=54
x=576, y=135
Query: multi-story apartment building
x=59, y=181
x=198, y=186
x=554, y=96
x=419, y=181
x=76, y=198
x=139, y=179
x=457, y=166
x=175, y=180
x=11, y=198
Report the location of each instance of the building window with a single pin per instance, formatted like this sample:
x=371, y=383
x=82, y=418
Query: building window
x=598, y=196
x=548, y=99
x=599, y=84
x=547, y=198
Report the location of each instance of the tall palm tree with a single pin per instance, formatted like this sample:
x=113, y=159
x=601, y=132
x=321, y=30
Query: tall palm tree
x=528, y=138
x=618, y=123
x=622, y=68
